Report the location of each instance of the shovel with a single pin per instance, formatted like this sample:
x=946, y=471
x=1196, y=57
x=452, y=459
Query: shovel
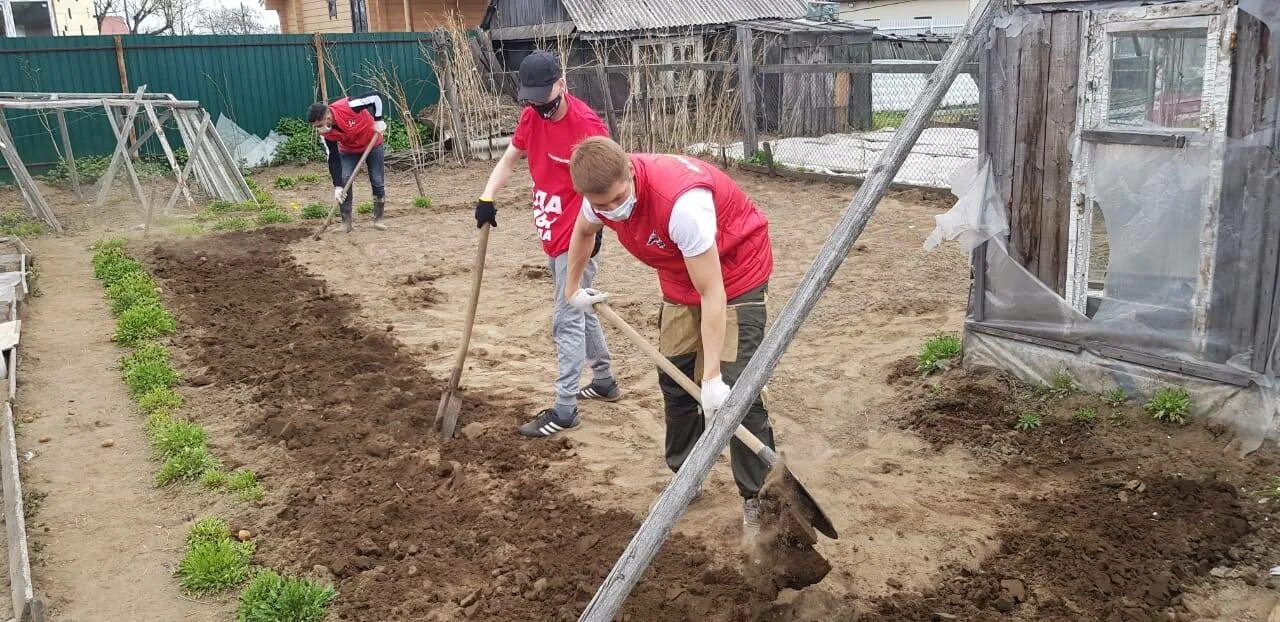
x=347, y=188
x=451, y=398
x=783, y=483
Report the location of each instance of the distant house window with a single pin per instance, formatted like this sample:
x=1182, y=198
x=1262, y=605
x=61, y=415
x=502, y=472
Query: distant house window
x=359, y=16
x=333, y=9
x=670, y=50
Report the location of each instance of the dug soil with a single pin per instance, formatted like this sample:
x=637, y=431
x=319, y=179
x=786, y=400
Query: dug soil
x=409, y=529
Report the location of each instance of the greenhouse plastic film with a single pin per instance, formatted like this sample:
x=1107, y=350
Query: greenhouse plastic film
x=978, y=214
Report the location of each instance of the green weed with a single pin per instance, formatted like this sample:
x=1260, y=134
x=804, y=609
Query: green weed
x=1115, y=397
x=1027, y=421
x=208, y=529
x=1087, y=414
x=213, y=565
x=142, y=322
x=156, y=422
x=1117, y=418
x=213, y=479
x=365, y=208
x=177, y=437
x=111, y=264
x=1170, y=405
x=1272, y=491
x=310, y=178
x=144, y=372
x=131, y=290
x=106, y=244
x=422, y=202
x=934, y=351
x=245, y=484
x=160, y=399
x=20, y=224
x=301, y=146
x=186, y=465
x=274, y=215
x=270, y=597
x=1061, y=384
x=314, y=211
x=285, y=182
x=231, y=224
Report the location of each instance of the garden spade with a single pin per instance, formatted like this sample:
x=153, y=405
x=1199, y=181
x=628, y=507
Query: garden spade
x=781, y=483
x=451, y=398
x=347, y=188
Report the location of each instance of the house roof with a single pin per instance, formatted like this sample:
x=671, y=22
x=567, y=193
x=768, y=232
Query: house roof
x=113, y=25
x=596, y=16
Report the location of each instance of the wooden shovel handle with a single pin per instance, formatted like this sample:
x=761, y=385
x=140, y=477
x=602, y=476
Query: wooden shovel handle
x=665, y=364
x=477, y=273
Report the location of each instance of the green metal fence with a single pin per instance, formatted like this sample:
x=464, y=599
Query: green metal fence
x=254, y=80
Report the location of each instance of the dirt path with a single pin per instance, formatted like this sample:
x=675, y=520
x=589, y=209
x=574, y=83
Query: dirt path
x=104, y=540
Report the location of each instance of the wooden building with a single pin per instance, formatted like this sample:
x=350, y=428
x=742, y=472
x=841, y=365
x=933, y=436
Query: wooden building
x=337, y=16
x=1132, y=149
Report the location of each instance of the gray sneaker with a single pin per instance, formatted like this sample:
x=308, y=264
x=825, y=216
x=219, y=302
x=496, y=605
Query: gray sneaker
x=605, y=390
x=750, y=521
x=548, y=424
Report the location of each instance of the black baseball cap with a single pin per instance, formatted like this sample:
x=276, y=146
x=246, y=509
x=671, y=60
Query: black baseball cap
x=538, y=73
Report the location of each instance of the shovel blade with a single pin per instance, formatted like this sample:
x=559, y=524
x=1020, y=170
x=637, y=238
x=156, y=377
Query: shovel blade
x=783, y=485
x=447, y=413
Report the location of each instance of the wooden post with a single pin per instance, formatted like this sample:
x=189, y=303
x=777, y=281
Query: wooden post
x=408, y=18
x=645, y=95
x=747, y=84
x=768, y=158
x=320, y=81
x=124, y=77
x=461, y=141
x=603, y=78
x=671, y=504
x=68, y=155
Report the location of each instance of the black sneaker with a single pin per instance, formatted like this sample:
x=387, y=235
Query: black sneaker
x=605, y=390
x=548, y=424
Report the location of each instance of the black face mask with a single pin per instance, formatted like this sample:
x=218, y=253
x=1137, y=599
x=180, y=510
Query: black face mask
x=548, y=109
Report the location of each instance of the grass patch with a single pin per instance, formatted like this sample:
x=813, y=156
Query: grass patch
x=213, y=479
x=935, y=351
x=156, y=422
x=245, y=484
x=214, y=565
x=208, y=529
x=110, y=265
x=147, y=369
x=1027, y=422
x=365, y=208
x=284, y=182
x=263, y=199
x=1170, y=405
x=231, y=224
x=1115, y=397
x=105, y=244
x=186, y=465
x=178, y=437
x=315, y=211
x=888, y=118
x=143, y=322
x=20, y=224
x=422, y=202
x=159, y=399
x=270, y=597
x=1088, y=414
x=310, y=178
x=274, y=215
x=131, y=290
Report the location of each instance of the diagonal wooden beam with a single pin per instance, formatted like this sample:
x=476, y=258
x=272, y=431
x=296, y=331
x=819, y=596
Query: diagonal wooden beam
x=121, y=153
x=157, y=127
x=182, y=176
x=30, y=191
x=142, y=140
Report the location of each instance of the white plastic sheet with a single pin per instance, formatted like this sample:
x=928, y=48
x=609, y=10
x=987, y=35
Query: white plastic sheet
x=978, y=214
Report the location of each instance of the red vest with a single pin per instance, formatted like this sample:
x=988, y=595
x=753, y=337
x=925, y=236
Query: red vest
x=742, y=231
x=351, y=130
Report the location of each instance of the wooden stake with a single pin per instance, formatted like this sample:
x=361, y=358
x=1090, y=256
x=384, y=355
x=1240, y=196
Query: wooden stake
x=324, y=88
x=603, y=78
x=67, y=155
x=747, y=84
x=671, y=504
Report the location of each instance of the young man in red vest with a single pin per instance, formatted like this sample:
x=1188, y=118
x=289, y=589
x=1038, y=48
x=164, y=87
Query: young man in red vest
x=710, y=246
x=552, y=123
x=346, y=126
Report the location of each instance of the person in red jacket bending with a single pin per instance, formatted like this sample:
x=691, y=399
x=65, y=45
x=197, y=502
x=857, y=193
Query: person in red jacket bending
x=346, y=126
x=710, y=246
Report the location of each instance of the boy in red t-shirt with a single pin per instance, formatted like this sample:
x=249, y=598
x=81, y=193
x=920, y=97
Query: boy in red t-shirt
x=552, y=124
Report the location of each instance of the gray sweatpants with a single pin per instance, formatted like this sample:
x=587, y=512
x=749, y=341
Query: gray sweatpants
x=578, y=336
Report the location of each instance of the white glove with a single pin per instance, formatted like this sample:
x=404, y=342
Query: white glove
x=714, y=393
x=584, y=300
x=337, y=194
x=380, y=126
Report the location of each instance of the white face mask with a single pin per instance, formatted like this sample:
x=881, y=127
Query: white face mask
x=325, y=129
x=622, y=211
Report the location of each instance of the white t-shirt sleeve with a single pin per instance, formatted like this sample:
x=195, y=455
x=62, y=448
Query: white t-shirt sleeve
x=693, y=222
x=590, y=214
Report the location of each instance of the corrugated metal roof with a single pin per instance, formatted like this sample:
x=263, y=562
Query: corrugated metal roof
x=625, y=15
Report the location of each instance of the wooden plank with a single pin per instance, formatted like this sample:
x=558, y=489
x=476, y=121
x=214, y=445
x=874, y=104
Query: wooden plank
x=603, y=79
x=30, y=191
x=186, y=170
x=970, y=68
x=747, y=86
x=68, y=155
x=157, y=127
x=450, y=88
x=1060, y=117
x=1219, y=373
x=132, y=173
x=979, y=327
x=151, y=130
x=675, y=498
x=1024, y=213
x=1002, y=110
x=121, y=151
x=854, y=180
x=1125, y=137
x=230, y=167
x=20, y=586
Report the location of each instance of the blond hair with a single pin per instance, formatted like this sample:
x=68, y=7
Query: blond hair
x=597, y=164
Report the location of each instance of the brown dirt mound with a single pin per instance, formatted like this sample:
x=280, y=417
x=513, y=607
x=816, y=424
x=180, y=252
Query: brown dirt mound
x=408, y=529
x=1135, y=512
x=535, y=272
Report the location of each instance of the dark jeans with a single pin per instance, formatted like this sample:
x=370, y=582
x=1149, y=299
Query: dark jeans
x=681, y=342
x=374, y=165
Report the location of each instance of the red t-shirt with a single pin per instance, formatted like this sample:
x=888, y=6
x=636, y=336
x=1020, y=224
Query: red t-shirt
x=549, y=145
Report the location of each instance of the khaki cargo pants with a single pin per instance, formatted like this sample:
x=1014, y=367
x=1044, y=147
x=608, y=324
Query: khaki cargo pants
x=680, y=340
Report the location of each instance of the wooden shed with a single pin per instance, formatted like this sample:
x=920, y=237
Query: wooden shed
x=1130, y=147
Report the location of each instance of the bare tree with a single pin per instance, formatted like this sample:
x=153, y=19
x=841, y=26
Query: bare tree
x=150, y=17
x=238, y=20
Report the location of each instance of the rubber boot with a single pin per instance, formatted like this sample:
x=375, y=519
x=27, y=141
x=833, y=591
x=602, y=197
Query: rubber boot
x=346, y=223
x=379, y=204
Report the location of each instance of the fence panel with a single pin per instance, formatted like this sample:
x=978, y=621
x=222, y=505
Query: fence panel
x=254, y=80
